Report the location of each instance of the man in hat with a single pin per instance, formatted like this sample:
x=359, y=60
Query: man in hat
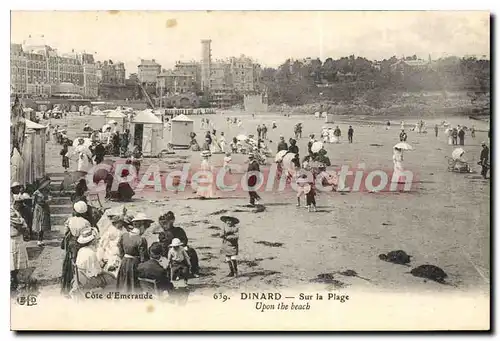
x=483, y=159
x=170, y=232
x=15, y=189
x=293, y=148
x=282, y=144
x=253, y=166
x=152, y=269
x=350, y=134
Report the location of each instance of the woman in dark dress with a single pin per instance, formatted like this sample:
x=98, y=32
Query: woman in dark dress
x=133, y=249
x=74, y=225
x=65, y=159
x=41, y=210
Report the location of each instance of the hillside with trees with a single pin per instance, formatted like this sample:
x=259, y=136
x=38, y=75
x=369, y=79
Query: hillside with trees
x=380, y=85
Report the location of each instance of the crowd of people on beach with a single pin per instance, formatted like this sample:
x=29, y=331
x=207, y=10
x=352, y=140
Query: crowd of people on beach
x=116, y=249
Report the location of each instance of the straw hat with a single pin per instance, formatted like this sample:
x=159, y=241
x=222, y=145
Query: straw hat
x=15, y=184
x=206, y=153
x=251, y=155
x=176, y=242
x=80, y=207
x=87, y=235
x=482, y=144
x=229, y=220
x=142, y=217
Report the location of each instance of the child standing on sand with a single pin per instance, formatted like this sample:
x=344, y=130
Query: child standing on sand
x=227, y=162
x=178, y=260
x=230, y=237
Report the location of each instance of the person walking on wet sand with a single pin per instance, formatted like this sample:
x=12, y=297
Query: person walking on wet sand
x=483, y=159
x=253, y=166
x=259, y=131
x=350, y=133
x=461, y=136
x=230, y=237
x=402, y=136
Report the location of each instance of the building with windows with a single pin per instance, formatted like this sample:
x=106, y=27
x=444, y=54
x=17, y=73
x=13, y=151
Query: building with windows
x=38, y=71
x=110, y=73
x=174, y=82
x=148, y=70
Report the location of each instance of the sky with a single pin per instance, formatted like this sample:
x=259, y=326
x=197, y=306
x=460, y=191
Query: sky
x=269, y=37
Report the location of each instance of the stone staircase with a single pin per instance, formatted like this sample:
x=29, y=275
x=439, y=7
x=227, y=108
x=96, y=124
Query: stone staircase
x=47, y=261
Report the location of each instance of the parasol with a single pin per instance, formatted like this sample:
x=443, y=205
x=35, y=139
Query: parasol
x=86, y=142
x=279, y=155
x=241, y=137
x=105, y=127
x=403, y=146
x=457, y=153
x=316, y=146
x=287, y=161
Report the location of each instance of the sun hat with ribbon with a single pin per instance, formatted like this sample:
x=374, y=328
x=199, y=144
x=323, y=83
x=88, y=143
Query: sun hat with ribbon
x=80, y=207
x=87, y=235
x=229, y=220
x=176, y=242
x=142, y=217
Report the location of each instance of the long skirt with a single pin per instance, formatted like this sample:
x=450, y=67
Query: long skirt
x=193, y=258
x=41, y=219
x=65, y=162
x=450, y=140
x=398, y=170
x=128, y=277
x=18, y=254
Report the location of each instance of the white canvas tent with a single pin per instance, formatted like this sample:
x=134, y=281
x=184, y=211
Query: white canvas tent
x=147, y=131
x=118, y=116
x=31, y=166
x=181, y=127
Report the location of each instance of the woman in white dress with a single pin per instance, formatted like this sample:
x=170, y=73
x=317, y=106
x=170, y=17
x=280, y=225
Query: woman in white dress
x=449, y=132
x=215, y=147
x=206, y=190
x=324, y=135
x=222, y=142
x=331, y=136
x=84, y=156
x=107, y=251
x=397, y=159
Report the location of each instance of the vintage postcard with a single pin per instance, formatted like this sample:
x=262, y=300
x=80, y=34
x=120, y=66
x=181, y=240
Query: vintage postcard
x=250, y=170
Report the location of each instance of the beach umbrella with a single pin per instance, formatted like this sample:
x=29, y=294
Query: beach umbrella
x=403, y=146
x=86, y=142
x=316, y=146
x=279, y=155
x=457, y=153
x=105, y=127
x=287, y=160
x=241, y=137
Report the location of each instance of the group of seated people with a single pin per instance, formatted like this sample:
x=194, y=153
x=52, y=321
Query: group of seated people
x=122, y=249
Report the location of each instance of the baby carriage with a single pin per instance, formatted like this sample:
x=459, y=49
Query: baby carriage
x=457, y=163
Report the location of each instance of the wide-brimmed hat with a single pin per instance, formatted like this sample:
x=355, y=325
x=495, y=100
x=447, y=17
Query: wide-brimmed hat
x=87, y=235
x=229, y=220
x=80, y=207
x=251, y=155
x=15, y=184
x=142, y=217
x=176, y=242
x=206, y=153
x=482, y=144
